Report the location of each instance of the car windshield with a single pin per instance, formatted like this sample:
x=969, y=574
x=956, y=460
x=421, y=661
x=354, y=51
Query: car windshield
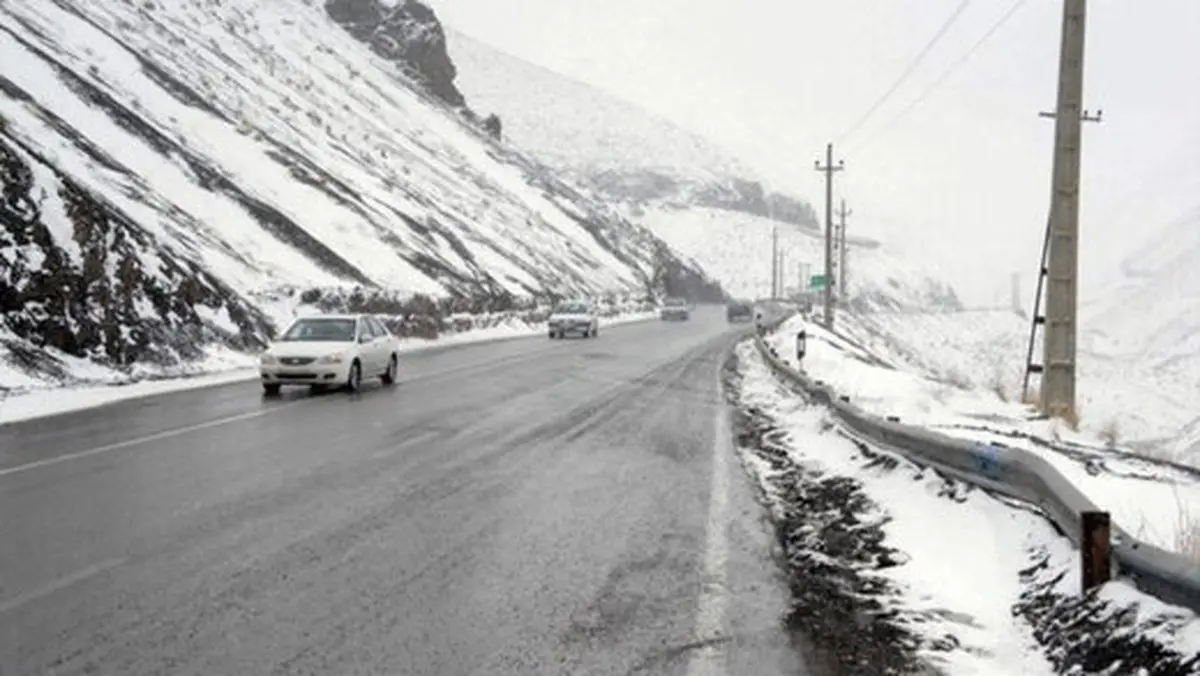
x=675, y=302
x=571, y=309
x=321, y=329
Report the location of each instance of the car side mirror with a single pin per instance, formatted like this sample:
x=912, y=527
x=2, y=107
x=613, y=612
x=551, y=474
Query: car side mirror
x=364, y=339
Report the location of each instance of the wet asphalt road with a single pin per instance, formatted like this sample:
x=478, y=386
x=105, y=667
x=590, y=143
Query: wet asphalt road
x=521, y=507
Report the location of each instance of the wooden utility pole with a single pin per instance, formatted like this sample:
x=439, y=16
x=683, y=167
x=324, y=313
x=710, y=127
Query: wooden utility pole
x=1062, y=266
x=843, y=212
x=829, y=170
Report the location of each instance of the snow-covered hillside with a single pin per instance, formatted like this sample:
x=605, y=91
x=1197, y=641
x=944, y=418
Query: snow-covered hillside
x=167, y=165
x=735, y=248
x=573, y=124
x=614, y=148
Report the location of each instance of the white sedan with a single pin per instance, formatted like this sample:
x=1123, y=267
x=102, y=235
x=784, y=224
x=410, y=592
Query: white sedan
x=573, y=317
x=330, y=350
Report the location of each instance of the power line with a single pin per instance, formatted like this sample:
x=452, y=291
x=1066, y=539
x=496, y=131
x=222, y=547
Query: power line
x=912, y=66
x=946, y=74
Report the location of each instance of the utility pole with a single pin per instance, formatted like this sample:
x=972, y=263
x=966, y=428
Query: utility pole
x=779, y=272
x=1062, y=265
x=829, y=169
x=774, y=261
x=843, y=212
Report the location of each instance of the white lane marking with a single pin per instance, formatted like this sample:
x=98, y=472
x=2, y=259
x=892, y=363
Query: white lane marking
x=157, y=436
x=59, y=584
x=167, y=434
x=178, y=431
x=708, y=659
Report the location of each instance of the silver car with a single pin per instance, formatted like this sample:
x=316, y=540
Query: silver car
x=573, y=317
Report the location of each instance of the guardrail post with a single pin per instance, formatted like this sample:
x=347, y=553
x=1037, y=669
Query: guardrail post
x=1095, y=549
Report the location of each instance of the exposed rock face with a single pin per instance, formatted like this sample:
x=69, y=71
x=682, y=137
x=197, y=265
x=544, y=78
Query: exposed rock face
x=642, y=187
x=80, y=277
x=407, y=32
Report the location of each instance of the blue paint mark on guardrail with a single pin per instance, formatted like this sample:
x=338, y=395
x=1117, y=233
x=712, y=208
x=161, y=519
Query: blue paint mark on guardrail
x=987, y=459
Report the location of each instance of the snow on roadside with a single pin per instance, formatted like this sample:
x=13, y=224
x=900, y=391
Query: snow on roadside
x=980, y=585
x=957, y=577
x=1123, y=392
x=1157, y=502
x=22, y=398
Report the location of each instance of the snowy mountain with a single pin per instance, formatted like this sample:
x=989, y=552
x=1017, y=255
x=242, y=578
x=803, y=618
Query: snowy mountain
x=735, y=248
x=705, y=203
x=617, y=150
x=169, y=170
x=1148, y=324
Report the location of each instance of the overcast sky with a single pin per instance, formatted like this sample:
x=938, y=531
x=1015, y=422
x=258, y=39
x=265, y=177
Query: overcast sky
x=963, y=178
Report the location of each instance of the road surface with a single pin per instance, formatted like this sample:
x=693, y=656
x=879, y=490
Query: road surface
x=521, y=507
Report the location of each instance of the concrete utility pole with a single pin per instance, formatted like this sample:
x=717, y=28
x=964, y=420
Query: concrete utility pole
x=774, y=261
x=1062, y=289
x=1016, y=294
x=779, y=272
x=843, y=212
x=829, y=169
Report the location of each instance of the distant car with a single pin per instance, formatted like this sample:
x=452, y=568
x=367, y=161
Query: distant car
x=675, y=309
x=578, y=317
x=330, y=351
x=739, y=311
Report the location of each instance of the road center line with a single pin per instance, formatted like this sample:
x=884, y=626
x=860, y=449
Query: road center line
x=157, y=436
x=708, y=659
x=59, y=584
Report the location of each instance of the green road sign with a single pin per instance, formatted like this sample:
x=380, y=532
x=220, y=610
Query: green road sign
x=816, y=282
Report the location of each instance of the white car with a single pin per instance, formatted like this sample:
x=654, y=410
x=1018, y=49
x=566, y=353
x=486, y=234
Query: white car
x=574, y=317
x=330, y=350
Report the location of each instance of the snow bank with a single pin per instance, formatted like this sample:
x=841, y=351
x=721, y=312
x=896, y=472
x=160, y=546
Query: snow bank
x=1155, y=501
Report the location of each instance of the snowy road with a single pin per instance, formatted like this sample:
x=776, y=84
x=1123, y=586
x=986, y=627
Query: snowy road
x=528, y=507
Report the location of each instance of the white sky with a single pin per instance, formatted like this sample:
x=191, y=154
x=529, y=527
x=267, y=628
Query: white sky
x=963, y=178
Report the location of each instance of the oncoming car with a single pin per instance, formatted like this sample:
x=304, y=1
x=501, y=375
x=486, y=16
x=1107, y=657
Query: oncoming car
x=675, y=308
x=739, y=311
x=573, y=317
x=330, y=351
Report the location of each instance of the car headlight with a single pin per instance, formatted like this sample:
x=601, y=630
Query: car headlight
x=332, y=359
x=267, y=359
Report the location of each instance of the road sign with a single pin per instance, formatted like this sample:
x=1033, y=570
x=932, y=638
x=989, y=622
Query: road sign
x=816, y=282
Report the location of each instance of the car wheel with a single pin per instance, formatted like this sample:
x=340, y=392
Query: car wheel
x=389, y=376
x=552, y=336
x=271, y=389
x=354, y=380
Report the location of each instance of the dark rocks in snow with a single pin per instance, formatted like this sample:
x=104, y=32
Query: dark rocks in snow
x=80, y=277
x=644, y=186
x=493, y=126
x=831, y=542
x=408, y=33
x=1086, y=634
x=421, y=316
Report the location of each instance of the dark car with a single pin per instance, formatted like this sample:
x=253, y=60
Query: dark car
x=739, y=311
x=675, y=309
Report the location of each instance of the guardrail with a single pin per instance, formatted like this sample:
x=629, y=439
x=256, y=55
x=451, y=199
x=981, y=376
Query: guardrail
x=1009, y=471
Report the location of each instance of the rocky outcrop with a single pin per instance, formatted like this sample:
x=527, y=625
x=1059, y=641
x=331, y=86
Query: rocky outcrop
x=78, y=276
x=408, y=33
x=643, y=187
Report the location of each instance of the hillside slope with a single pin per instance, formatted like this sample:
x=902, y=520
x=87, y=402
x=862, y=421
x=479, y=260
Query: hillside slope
x=167, y=167
x=615, y=149
x=735, y=248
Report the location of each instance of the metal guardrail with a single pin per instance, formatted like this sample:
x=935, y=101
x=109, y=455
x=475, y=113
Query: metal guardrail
x=1009, y=471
